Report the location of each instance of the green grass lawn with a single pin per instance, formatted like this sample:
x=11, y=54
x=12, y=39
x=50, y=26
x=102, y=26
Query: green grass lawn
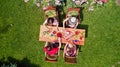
x=19, y=42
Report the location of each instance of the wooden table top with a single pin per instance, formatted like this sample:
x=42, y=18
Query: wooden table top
x=73, y=36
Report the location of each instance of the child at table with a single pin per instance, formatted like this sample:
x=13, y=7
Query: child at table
x=70, y=50
x=52, y=48
x=51, y=21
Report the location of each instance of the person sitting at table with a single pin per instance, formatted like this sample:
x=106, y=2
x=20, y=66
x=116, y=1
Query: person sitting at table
x=51, y=21
x=70, y=50
x=52, y=48
x=71, y=22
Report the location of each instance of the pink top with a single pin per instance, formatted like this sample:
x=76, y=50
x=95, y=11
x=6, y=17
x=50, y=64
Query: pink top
x=51, y=52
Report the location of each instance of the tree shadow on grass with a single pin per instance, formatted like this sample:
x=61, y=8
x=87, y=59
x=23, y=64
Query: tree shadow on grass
x=5, y=28
x=81, y=14
x=20, y=63
x=61, y=14
x=81, y=26
x=65, y=1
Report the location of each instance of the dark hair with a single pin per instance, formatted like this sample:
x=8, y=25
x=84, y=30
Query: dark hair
x=49, y=47
x=55, y=45
x=50, y=19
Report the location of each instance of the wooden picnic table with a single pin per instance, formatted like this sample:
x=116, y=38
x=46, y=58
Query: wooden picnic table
x=51, y=34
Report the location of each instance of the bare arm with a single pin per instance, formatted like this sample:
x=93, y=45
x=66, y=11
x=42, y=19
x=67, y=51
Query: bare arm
x=46, y=44
x=75, y=50
x=65, y=22
x=59, y=39
x=76, y=25
x=45, y=22
x=57, y=24
x=70, y=36
x=45, y=53
x=64, y=50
